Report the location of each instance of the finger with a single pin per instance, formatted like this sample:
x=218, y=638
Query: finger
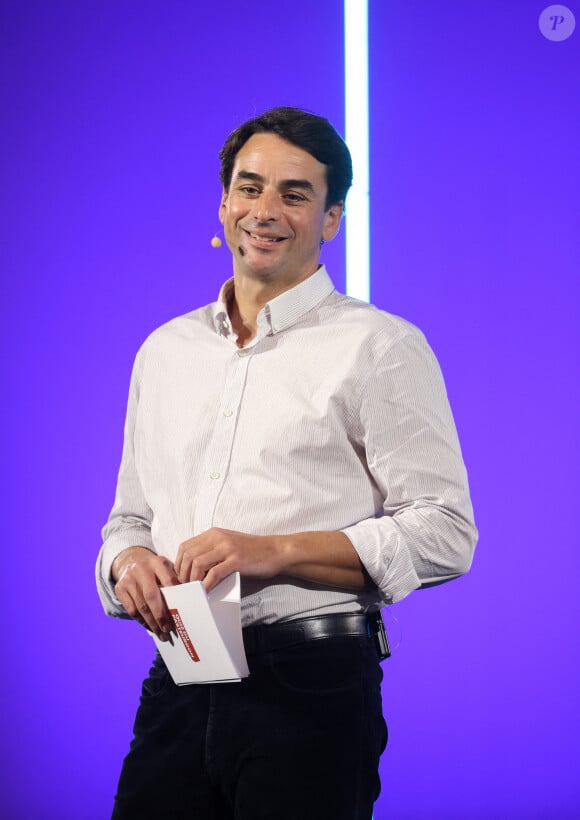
x=153, y=609
x=166, y=574
x=216, y=574
x=145, y=614
x=178, y=562
x=204, y=564
x=188, y=551
x=161, y=627
x=183, y=567
x=185, y=549
x=137, y=608
x=193, y=567
x=143, y=601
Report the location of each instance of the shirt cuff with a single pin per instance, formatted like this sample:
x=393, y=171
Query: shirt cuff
x=385, y=559
x=114, y=546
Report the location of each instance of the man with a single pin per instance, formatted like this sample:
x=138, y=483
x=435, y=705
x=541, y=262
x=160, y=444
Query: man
x=303, y=439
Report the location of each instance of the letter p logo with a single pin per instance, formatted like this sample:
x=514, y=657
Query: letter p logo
x=557, y=23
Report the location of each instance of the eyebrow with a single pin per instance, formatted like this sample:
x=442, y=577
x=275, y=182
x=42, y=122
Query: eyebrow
x=304, y=184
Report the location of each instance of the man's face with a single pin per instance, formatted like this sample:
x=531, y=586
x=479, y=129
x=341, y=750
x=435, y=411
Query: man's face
x=274, y=212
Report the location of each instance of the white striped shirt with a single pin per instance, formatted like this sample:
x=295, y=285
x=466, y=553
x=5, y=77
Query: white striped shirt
x=334, y=417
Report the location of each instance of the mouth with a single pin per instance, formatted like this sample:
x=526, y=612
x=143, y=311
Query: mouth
x=268, y=239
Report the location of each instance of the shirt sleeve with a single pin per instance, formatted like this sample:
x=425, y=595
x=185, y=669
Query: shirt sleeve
x=130, y=520
x=425, y=533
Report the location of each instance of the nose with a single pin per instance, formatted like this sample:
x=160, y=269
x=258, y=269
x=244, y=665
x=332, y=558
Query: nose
x=266, y=206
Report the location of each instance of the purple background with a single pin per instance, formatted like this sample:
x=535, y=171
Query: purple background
x=112, y=116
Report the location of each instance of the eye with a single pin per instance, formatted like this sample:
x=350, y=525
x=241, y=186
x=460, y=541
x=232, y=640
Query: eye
x=249, y=190
x=294, y=199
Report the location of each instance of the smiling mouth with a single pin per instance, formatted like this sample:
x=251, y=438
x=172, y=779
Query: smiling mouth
x=260, y=238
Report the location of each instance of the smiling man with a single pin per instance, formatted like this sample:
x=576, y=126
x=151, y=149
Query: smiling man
x=305, y=440
x=275, y=213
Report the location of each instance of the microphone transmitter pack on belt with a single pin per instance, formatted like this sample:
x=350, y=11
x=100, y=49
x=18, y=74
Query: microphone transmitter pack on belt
x=379, y=635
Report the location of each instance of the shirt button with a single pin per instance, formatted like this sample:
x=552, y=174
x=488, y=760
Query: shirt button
x=214, y=475
x=228, y=413
x=242, y=353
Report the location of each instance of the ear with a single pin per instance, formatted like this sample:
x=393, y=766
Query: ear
x=222, y=208
x=331, y=222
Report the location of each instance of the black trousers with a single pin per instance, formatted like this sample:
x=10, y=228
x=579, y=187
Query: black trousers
x=300, y=739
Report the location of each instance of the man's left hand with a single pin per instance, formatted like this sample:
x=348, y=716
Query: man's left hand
x=216, y=553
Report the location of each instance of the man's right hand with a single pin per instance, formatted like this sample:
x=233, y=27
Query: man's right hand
x=138, y=574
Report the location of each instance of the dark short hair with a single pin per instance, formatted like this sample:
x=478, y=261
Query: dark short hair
x=313, y=134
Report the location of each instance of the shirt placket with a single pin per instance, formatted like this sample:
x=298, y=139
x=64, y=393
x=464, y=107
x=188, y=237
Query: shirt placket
x=219, y=451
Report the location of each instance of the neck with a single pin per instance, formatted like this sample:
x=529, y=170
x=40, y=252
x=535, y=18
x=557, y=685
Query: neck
x=246, y=300
x=244, y=322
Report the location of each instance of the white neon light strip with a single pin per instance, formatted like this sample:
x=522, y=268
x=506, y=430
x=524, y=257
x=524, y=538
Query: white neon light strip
x=356, y=115
x=356, y=106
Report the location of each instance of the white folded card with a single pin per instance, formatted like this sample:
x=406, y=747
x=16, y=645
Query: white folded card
x=206, y=645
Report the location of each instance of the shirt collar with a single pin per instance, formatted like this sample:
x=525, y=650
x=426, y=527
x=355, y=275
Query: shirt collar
x=282, y=311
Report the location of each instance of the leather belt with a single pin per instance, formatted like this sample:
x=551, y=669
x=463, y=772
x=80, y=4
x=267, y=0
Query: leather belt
x=269, y=637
